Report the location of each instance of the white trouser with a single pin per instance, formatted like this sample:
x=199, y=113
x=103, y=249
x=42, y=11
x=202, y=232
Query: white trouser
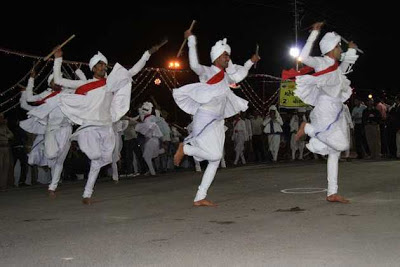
x=149, y=162
x=274, y=141
x=197, y=165
x=114, y=167
x=92, y=177
x=333, y=170
x=207, y=179
x=61, y=145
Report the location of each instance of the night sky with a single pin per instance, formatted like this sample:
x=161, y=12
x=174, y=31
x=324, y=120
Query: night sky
x=123, y=32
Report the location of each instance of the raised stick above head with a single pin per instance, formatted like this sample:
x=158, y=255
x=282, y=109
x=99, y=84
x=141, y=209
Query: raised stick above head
x=184, y=41
x=59, y=47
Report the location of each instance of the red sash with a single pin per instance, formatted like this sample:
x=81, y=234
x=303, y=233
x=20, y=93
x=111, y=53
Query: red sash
x=292, y=73
x=84, y=89
x=331, y=68
x=216, y=78
x=145, y=117
x=39, y=102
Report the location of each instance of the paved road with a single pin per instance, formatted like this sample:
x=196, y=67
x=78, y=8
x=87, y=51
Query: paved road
x=150, y=222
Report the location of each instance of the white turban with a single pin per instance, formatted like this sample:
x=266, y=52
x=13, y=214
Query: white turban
x=147, y=107
x=96, y=58
x=328, y=42
x=219, y=48
x=277, y=115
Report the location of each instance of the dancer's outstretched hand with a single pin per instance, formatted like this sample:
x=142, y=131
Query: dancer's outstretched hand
x=352, y=45
x=317, y=26
x=255, y=58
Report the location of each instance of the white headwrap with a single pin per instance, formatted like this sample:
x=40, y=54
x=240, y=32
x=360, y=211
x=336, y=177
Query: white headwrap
x=328, y=42
x=273, y=107
x=147, y=108
x=219, y=48
x=96, y=58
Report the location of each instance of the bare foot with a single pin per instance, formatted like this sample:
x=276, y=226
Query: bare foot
x=205, y=203
x=300, y=133
x=52, y=194
x=178, y=155
x=87, y=200
x=337, y=198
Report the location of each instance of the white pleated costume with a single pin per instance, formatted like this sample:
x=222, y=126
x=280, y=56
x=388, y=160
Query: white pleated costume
x=295, y=122
x=149, y=128
x=239, y=136
x=210, y=103
x=51, y=146
x=326, y=92
x=273, y=128
x=95, y=105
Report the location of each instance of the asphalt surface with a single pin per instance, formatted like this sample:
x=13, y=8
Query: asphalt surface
x=151, y=222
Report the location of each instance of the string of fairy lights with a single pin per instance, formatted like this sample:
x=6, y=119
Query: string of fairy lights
x=141, y=82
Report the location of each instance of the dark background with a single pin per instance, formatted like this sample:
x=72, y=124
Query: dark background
x=123, y=31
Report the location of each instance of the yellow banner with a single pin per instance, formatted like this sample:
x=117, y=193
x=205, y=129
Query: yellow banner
x=287, y=99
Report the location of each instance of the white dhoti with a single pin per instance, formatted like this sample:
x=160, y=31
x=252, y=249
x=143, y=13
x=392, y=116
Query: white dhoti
x=239, y=140
x=206, y=141
x=97, y=142
x=274, y=140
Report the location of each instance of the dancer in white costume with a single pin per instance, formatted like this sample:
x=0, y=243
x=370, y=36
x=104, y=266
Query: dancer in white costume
x=52, y=144
x=326, y=90
x=149, y=128
x=239, y=137
x=210, y=101
x=295, y=122
x=96, y=104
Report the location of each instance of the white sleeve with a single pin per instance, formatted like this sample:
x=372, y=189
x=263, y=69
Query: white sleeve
x=348, y=59
x=80, y=75
x=237, y=73
x=30, y=97
x=58, y=79
x=23, y=103
x=305, y=52
x=193, y=58
x=140, y=64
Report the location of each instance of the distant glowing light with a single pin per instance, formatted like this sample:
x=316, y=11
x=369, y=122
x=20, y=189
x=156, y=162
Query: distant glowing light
x=174, y=65
x=157, y=81
x=294, y=52
x=370, y=96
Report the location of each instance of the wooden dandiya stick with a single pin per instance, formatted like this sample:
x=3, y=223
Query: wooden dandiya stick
x=257, y=50
x=184, y=41
x=59, y=47
x=358, y=49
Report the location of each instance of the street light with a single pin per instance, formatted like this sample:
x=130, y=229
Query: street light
x=174, y=64
x=295, y=53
